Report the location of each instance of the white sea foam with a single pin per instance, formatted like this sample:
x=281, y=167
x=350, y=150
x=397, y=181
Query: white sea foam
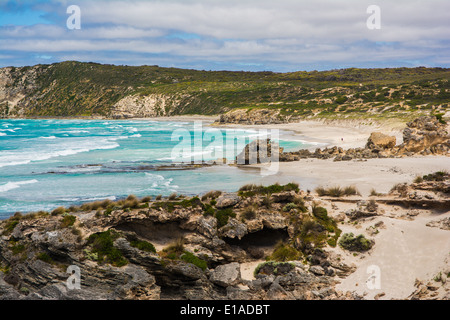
x=25, y=156
x=159, y=181
x=2, y=134
x=14, y=185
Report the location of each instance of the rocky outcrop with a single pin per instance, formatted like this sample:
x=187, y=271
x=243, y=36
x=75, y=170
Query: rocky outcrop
x=138, y=106
x=259, y=151
x=381, y=140
x=423, y=136
x=167, y=249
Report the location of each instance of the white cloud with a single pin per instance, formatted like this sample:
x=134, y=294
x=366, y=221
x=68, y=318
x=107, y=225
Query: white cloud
x=289, y=32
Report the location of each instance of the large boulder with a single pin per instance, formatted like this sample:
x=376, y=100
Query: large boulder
x=227, y=200
x=381, y=140
x=259, y=151
x=226, y=275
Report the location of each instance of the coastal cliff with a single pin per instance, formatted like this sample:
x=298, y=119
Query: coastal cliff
x=91, y=90
x=274, y=242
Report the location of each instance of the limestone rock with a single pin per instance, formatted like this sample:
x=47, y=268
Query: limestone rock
x=227, y=200
x=226, y=275
x=380, y=140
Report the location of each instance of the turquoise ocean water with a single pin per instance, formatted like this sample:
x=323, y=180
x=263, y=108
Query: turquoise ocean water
x=49, y=163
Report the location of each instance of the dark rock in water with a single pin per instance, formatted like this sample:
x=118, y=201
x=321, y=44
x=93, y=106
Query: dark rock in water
x=259, y=151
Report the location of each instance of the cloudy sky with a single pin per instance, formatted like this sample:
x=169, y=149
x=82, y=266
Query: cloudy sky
x=281, y=35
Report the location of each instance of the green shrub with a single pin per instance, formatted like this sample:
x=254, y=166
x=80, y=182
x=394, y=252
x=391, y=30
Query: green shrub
x=289, y=207
x=146, y=199
x=440, y=119
x=173, y=196
x=436, y=176
x=349, y=242
x=320, y=212
x=211, y=195
x=284, y=252
x=267, y=201
x=208, y=210
x=176, y=247
x=223, y=215
x=59, y=211
x=68, y=221
x=10, y=225
x=103, y=245
x=43, y=256
x=18, y=248
x=374, y=193
x=351, y=191
x=321, y=191
x=191, y=258
x=143, y=245
x=250, y=190
x=131, y=203
x=341, y=99
x=337, y=191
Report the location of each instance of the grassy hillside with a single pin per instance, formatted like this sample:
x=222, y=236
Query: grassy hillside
x=90, y=89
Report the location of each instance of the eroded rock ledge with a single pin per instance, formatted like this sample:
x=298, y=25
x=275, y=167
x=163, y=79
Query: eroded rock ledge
x=195, y=248
x=178, y=248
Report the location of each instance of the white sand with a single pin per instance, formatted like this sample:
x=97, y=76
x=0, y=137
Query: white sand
x=345, y=134
x=378, y=174
x=405, y=250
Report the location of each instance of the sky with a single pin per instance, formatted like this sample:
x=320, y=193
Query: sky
x=250, y=35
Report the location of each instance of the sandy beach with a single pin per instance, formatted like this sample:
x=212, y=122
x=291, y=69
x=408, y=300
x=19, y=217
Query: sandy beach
x=406, y=250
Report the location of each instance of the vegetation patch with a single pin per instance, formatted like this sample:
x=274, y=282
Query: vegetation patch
x=191, y=258
x=273, y=267
x=436, y=176
x=359, y=243
x=251, y=190
x=68, y=221
x=337, y=191
x=143, y=245
x=103, y=245
x=43, y=256
x=223, y=216
x=284, y=252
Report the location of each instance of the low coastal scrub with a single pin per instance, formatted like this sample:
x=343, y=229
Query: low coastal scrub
x=103, y=246
x=250, y=190
x=211, y=195
x=273, y=267
x=143, y=245
x=337, y=191
x=359, y=243
x=176, y=251
x=191, y=258
x=68, y=221
x=223, y=216
x=284, y=252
